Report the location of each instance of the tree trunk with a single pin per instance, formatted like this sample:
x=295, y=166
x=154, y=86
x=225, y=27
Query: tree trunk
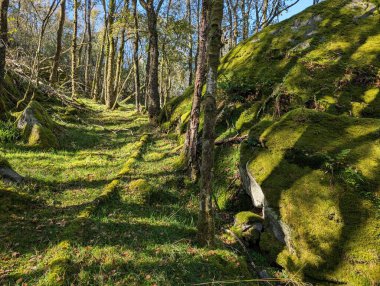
x=110, y=92
x=206, y=231
x=74, y=52
x=136, y=56
x=98, y=70
x=152, y=88
x=88, y=49
x=192, y=131
x=4, y=4
x=54, y=70
x=190, y=56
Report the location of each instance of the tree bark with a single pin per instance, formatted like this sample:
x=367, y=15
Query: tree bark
x=152, y=84
x=206, y=228
x=191, y=142
x=98, y=70
x=110, y=92
x=54, y=70
x=74, y=52
x=88, y=63
x=190, y=56
x=4, y=4
x=136, y=56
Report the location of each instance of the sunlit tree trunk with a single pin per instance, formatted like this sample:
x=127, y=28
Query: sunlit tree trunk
x=206, y=231
x=191, y=142
x=54, y=70
x=110, y=92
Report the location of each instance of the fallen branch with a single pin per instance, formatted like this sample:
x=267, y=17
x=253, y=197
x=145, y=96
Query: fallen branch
x=232, y=140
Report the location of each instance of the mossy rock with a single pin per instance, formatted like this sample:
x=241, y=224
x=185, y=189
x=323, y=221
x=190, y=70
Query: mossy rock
x=247, y=227
x=319, y=174
x=42, y=137
x=247, y=217
x=37, y=128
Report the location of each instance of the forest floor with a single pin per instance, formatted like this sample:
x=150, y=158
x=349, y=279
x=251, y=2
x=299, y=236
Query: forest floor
x=108, y=208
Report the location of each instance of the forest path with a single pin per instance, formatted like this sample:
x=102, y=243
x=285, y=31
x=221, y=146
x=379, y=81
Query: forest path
x=109, y=208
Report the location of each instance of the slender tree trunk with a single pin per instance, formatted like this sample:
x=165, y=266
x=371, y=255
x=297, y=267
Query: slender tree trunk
x=110, y=91
x=206, y=229
x=89, y=48
x=4, y=4
x=74, y=52
x=98, y=69
x=136, y=56
x=198, y=33
x=54, y=70
x=191, y=142
x=190, y=56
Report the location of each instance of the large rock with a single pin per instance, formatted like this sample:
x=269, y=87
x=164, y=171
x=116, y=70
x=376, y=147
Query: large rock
x=38, y=129
x=7, y=173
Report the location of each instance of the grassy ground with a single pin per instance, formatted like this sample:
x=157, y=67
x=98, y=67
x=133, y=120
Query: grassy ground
x=108, y=208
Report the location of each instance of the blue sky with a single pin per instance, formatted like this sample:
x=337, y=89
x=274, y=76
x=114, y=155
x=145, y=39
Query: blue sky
x=302, y=5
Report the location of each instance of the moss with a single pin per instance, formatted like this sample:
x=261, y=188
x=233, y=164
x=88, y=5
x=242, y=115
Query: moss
x=247, y=217
x=42, y=137
x=58, y=262
x=326, y=58
x=303, y=170
x=270, y=246
x=248, y=117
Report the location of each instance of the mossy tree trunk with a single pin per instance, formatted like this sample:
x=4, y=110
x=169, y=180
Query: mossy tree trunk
x=54, y=70
x=191, y=143
x=110, y=78
x=206, y=227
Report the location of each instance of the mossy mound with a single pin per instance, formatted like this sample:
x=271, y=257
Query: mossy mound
x=325, y=58
x=37, y=128
x=320, y=175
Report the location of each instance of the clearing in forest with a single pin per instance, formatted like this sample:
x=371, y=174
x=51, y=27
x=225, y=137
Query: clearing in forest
x=108, y=208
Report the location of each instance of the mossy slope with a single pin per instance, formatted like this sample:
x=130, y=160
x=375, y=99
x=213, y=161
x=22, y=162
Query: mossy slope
x=320, y=173
x=325, y=58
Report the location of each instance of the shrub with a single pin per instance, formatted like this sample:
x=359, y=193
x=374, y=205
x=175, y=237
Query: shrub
x=8, y=132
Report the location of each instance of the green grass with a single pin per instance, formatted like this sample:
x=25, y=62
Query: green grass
x=106, y=208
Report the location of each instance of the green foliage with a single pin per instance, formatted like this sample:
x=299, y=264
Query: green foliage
x=8, y=132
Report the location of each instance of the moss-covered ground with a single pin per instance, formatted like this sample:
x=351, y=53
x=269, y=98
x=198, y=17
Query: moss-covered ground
x=106, y=208
x=320, y=173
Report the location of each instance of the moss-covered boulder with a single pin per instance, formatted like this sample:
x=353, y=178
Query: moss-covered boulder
x=320, y=177
x=325, y=58
x=38, y=129
x=248, y=227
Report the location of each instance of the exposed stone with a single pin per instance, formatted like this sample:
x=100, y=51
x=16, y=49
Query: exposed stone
x=37, y=127
x=7, y=173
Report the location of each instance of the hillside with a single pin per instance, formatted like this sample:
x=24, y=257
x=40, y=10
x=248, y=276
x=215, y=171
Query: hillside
x=307, y=91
